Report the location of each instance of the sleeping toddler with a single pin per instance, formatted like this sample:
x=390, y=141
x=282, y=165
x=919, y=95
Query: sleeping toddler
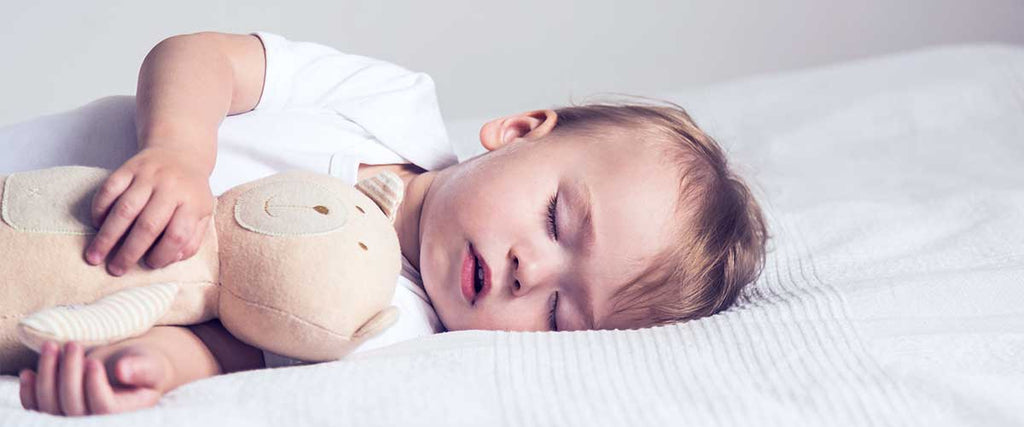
x=597, y=216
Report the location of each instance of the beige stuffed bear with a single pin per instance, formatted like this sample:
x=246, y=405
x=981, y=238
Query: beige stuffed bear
x=300, y=264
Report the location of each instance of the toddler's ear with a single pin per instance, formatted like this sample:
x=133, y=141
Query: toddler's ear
x=529, y=125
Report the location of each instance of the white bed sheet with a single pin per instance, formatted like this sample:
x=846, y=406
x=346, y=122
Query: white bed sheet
x=893, y=295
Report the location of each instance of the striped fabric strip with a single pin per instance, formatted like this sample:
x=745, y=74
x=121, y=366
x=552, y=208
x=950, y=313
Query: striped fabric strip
x=386, y=190
x=111, y=318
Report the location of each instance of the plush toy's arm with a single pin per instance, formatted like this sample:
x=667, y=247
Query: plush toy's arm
x=118, y=316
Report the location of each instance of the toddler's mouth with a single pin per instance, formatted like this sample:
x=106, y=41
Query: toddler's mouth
x=475, y=276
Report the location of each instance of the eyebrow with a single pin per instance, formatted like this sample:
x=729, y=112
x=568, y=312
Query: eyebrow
x=580, y=199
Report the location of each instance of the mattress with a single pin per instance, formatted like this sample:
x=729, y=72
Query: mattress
x=893, y=292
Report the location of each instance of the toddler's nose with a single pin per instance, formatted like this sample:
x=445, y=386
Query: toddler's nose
x=529, y=273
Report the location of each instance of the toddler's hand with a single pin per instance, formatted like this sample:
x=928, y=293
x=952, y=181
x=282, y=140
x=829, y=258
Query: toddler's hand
x=68, y=383
x=159, y=194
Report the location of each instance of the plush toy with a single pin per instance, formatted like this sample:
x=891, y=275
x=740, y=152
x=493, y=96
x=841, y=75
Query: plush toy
x=300, y=264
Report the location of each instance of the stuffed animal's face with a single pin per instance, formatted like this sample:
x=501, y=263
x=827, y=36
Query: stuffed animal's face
x=304, y=254
x=295, y=208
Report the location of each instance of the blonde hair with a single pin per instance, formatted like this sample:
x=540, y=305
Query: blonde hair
x=720, y=235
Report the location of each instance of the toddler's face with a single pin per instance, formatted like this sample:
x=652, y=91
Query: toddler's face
x=492, y=212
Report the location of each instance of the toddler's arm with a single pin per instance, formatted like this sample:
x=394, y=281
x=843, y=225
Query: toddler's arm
x=134, y=373
x=160, y=198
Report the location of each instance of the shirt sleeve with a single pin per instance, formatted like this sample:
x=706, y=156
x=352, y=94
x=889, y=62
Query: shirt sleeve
x=397, y=106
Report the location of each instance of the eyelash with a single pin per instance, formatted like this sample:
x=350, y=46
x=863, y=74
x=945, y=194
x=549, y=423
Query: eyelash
x=551, y=316
x=552, y=229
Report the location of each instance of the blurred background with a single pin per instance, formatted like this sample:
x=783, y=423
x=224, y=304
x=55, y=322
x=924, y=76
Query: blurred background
x=488, y=58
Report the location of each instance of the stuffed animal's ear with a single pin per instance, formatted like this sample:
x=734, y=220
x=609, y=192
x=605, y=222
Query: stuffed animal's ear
x=386, y=190
x=379, y=322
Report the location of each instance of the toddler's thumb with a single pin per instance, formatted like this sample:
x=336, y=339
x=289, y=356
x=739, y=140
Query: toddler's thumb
x=139, y=371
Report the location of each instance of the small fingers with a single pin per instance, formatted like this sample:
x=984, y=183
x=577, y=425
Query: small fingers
x=121, y=216
x=46, y=380
x=27, y=389
x=139, y=371
x=197, y=239
x=147, y=228
x=99, y=396
x=111, y=189
x=72, y=401
x=178, y=234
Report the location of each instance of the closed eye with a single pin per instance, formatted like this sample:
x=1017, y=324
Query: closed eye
x=552, y=319
x=552, y=225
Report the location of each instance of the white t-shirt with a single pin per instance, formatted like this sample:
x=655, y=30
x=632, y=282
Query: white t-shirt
x=326, y=111
x=321, y=110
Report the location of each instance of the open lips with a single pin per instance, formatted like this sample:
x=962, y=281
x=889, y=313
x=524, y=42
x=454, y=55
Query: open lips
x=476, y=277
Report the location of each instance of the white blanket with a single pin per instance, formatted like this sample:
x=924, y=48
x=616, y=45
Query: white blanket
x=893, y=295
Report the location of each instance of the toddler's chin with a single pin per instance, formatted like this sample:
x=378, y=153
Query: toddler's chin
x=451, y=321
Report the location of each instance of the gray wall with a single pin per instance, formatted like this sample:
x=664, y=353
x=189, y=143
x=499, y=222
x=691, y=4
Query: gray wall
x=487, y=57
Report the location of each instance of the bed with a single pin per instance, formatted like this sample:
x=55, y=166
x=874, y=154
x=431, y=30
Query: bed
x=893, y=292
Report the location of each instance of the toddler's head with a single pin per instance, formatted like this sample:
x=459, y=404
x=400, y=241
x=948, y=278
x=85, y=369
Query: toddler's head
x=588, y=217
